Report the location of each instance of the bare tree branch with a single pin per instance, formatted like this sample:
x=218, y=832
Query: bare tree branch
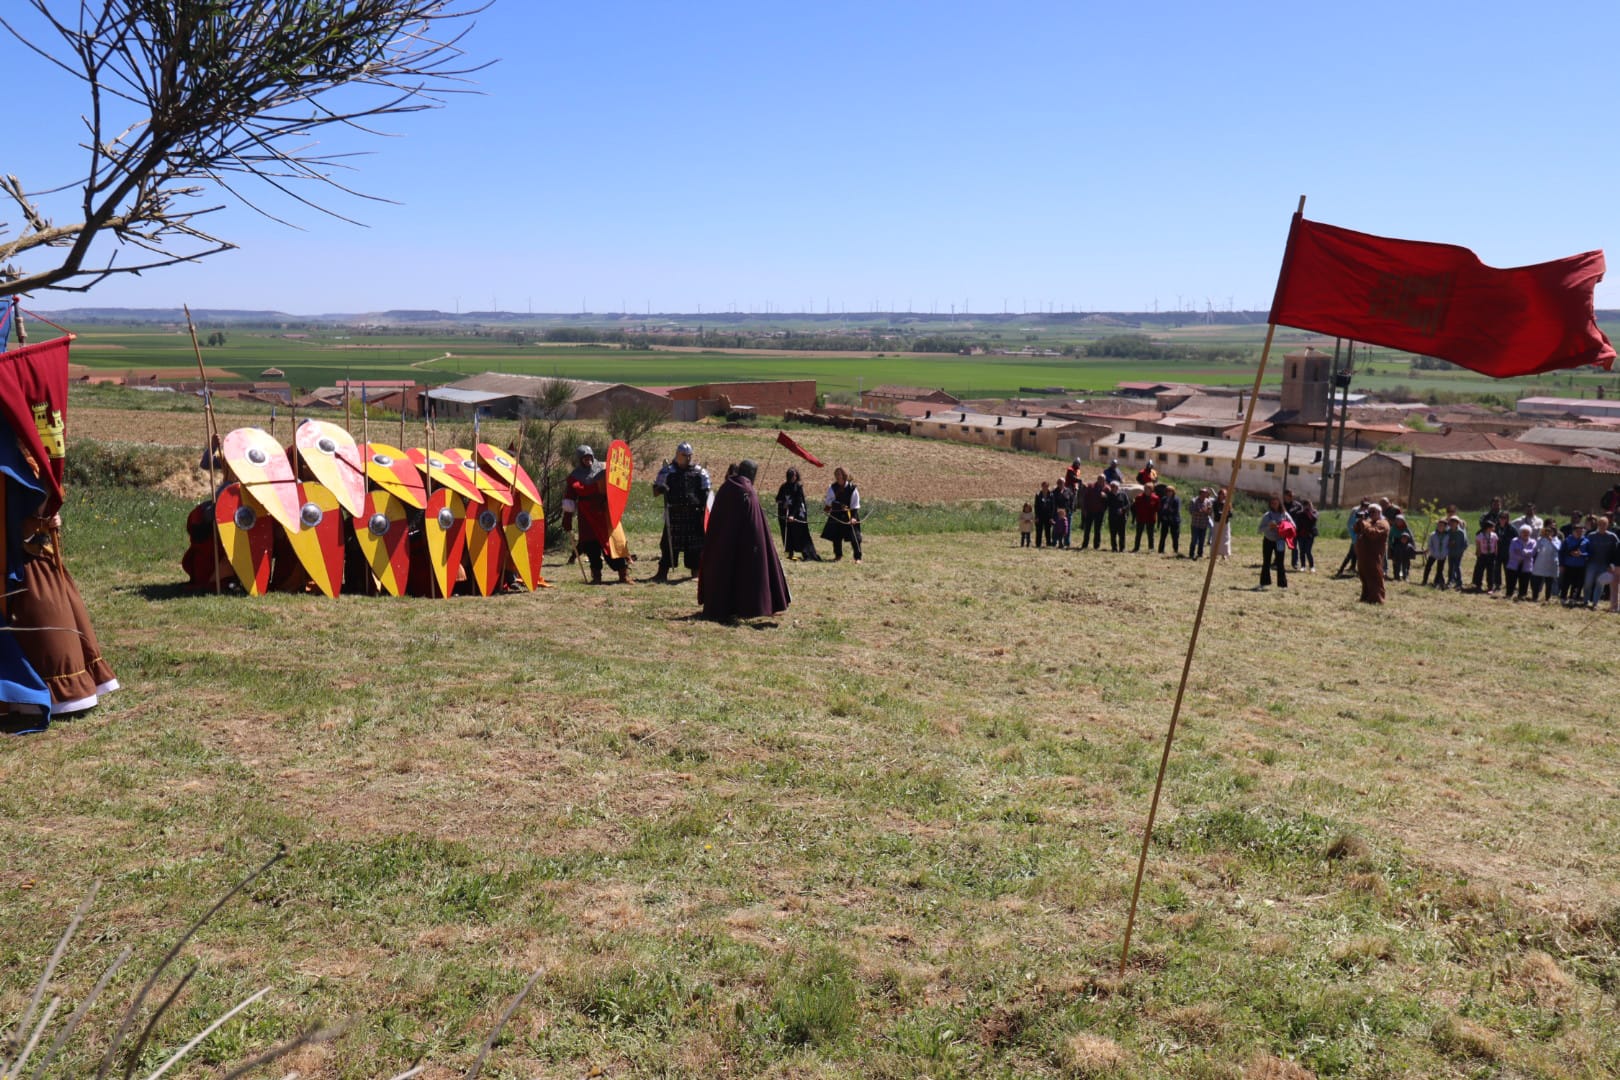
x=182, y=93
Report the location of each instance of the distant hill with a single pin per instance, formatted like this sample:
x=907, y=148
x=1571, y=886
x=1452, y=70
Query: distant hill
x=430, y=317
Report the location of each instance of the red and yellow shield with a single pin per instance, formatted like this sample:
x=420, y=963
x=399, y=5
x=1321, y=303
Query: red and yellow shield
x=331, y=458
x=619, y=469
x=490, y=484
x=445, y=528
x=246, y=533
x=319, y=541
x=393, y=472
x=506, y=467
x=381, y=533
x=486, y=546
x=444, y=472
x=258, y=461
x=525, y=528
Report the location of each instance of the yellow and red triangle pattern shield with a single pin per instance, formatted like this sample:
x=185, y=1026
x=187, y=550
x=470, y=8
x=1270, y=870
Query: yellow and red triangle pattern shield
x=525, y=528
x=486, y=546
x=319, y=542
x=260, y=464
x=445, y=528
x=490, y=484
x=246, y=533
x=331, y=457
x=391, y=470
x=444, y=472
x=381, y=533
x=507, y=468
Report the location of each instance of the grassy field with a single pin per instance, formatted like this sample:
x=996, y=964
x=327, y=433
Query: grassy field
x=324, y=356
x=888, y=834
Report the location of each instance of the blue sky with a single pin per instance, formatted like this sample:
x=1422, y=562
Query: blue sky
x=1094, y=155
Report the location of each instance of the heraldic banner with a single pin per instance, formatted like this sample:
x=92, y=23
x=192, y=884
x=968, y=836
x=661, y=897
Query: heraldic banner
x=1440, y=300
x=33, y=400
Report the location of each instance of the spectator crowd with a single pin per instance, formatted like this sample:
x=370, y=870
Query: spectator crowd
x=1517, y=556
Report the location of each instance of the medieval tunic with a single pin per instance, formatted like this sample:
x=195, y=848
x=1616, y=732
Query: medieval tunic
x=1370, y=544
x=741, y=576
x=586, y=493
x=43, y=610
x=52, y=626
x=793, y=514
x=843, y=505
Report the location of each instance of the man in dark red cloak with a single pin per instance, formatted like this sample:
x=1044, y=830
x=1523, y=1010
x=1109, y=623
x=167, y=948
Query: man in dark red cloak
x=741, y=576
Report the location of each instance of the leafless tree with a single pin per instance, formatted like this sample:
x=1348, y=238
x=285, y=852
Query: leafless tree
x=191, y=97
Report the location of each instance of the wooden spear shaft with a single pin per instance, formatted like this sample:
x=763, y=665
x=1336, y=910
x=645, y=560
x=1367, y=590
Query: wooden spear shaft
x=1192, y=640
x=210, y=440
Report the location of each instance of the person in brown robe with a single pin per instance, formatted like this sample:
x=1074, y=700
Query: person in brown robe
x=1370, y=544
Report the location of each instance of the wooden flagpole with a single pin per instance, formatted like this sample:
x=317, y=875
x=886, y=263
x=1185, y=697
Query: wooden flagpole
x=1192, y=640
x=210, y=438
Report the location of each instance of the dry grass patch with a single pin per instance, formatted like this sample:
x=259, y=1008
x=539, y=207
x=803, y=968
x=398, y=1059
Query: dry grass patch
x=1458, y=1037
x=1092, y=1057
x=1265, y=1066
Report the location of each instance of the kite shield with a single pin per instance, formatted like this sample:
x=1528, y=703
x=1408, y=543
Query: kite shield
x=381, y=532
x=246, y=533
x=257, y=460
x=619, y=469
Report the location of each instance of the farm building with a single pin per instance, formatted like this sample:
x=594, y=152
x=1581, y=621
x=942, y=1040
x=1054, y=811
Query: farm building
x=1267, y=468
x=506, y=397
x=880, y=397
x=1065, y=439
x=1573, y=438
x=1596, y=408
x=1473, y=479
x=765, y=398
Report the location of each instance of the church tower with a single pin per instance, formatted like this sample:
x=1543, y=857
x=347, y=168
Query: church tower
x=1306, y=375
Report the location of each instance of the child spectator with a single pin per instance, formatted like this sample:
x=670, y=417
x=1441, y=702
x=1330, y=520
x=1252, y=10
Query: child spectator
x=1305, y=542
x=1060, y=527
x=1436, y=554
x=1402, y=549
x=1456, y=548
x=1062, y=506
x=1026, y=525
x=1485, y=559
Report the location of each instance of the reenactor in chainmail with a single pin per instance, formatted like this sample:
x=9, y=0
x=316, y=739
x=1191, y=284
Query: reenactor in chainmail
x=684, y=486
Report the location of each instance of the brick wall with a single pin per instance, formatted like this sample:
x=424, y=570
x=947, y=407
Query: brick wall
x=767, y=398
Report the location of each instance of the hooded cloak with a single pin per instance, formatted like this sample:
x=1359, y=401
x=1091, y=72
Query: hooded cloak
x=741, y=576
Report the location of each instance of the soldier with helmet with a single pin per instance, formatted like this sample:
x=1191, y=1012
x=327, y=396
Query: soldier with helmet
x=585, y=494
x=684, y=486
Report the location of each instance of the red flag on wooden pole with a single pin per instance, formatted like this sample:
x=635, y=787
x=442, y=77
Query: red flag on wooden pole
x=1440, y=300
x=783, y=438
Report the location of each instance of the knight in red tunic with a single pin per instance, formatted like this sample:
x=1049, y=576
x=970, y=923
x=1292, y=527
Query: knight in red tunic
x=585, y=495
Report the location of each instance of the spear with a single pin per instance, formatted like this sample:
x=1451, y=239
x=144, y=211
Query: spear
x=210, y=434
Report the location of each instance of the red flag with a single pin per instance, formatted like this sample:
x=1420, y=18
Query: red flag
x=33, y=400
x=1440, y=300
x=782, y=437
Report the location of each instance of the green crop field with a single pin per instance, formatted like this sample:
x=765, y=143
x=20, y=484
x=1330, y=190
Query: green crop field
x=322, y=356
